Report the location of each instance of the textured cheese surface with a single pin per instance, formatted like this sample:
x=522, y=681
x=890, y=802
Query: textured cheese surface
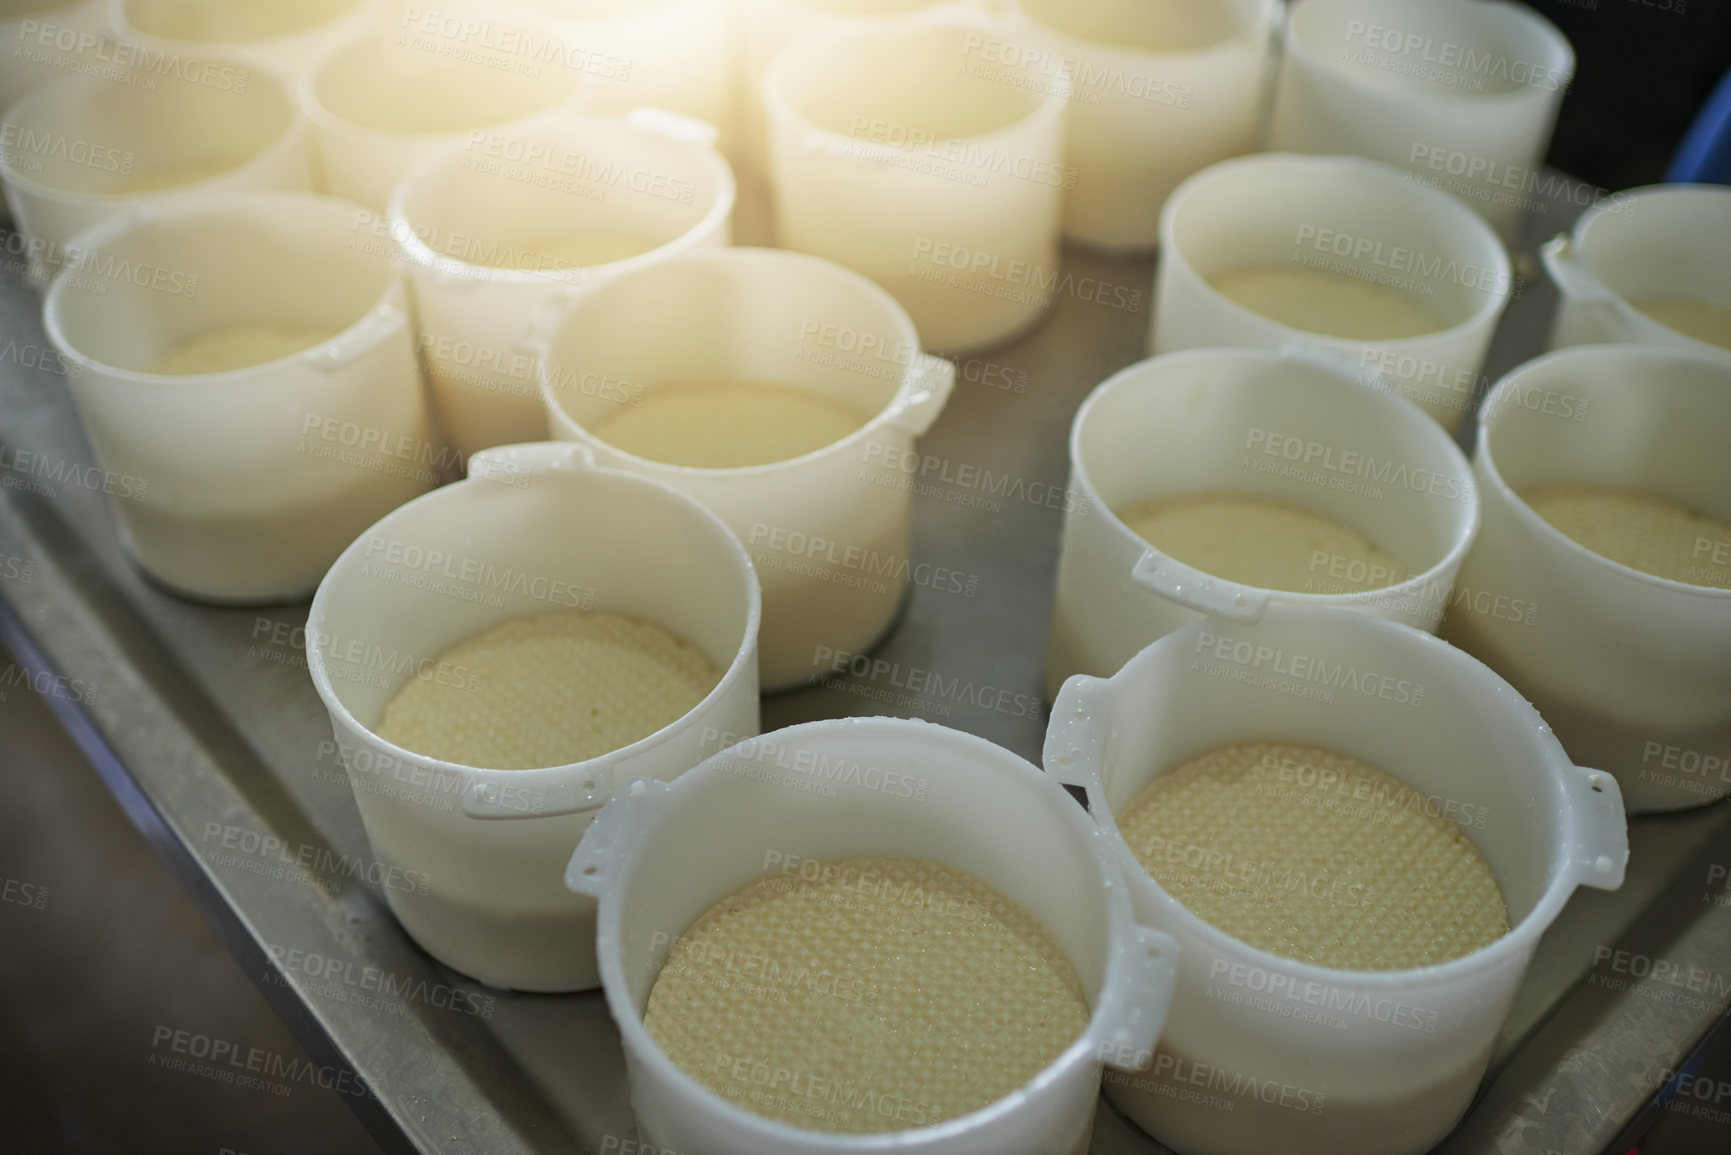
x=549, y=689
x=1314, y=856
x=1265, y=543
x=1703, y=320
x=871, y=995
x=237, y=347
x=728, y=424
x=1639, y=530
x=1333, y=304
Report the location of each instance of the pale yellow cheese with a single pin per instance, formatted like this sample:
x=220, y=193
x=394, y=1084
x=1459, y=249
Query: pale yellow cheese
x=1314, y=856
x=1704, y=320
x=865, y=995
x=1639, y=530
x=547, y=690
x=237, y=347
x=728, y=424
x=1265, y=543
x=1332, y=304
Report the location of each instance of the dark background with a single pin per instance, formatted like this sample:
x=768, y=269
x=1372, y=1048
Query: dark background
x=1643, y=69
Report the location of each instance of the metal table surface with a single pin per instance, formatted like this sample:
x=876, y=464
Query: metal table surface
x=205, y=725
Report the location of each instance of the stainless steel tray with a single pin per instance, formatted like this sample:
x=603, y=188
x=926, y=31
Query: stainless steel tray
x=205, y=725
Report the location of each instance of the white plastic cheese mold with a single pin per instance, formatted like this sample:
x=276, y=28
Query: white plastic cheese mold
x=661, y=854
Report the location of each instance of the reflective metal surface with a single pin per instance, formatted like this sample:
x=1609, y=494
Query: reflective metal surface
x=205, y=724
